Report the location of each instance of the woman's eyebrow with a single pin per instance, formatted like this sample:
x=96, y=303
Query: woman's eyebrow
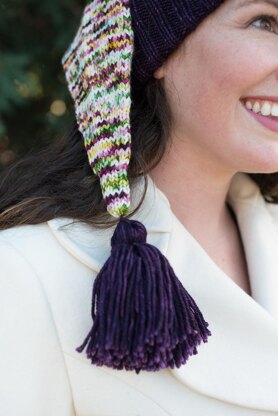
x=246, y=3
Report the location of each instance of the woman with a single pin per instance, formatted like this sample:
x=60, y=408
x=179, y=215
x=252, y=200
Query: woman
x=188, y=322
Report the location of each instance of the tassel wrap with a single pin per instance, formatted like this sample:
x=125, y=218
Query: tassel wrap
x=143, y=318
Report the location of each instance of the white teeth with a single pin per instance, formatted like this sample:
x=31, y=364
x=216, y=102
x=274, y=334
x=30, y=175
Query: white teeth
x=274, y=110
x=256, y=107
x=266, y=108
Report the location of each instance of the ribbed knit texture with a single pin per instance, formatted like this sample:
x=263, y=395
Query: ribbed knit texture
x=160, y=26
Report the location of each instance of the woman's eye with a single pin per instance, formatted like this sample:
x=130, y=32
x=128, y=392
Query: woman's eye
x=270, y=22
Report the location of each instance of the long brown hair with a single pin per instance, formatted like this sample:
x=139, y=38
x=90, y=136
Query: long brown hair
x=57, y=180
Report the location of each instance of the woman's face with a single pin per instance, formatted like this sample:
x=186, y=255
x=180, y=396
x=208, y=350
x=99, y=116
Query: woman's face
x=233, y=54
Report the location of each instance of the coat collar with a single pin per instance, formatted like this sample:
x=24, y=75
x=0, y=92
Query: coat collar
x=239, y=363
x=92, y=246
x=258, y=228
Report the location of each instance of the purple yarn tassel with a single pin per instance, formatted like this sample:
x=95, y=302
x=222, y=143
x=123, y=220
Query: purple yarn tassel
x=144, y=319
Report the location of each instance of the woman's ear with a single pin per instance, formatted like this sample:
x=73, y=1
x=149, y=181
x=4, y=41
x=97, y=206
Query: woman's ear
x=159, y=72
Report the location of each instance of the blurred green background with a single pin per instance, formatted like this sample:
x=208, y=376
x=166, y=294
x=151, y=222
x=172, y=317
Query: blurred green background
x=35, y=105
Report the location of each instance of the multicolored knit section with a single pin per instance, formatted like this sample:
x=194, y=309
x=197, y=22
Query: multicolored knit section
x=97, y=66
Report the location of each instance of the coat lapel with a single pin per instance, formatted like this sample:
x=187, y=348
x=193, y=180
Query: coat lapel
x=239, y=363
x=260, y=240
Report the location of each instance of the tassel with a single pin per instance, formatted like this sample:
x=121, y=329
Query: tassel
x=143, y=317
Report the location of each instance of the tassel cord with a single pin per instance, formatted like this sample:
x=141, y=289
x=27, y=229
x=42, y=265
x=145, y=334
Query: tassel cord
x=117, y=299
x=130, y=317
x=163, y=285
x=153, y=292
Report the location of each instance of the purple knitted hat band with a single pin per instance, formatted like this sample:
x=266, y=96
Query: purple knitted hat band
x=160, y=26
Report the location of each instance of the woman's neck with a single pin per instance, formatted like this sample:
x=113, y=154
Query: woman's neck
x=197, y=194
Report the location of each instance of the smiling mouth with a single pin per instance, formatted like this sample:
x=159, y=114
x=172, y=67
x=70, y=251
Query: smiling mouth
x=262, y=105
x=269, y=122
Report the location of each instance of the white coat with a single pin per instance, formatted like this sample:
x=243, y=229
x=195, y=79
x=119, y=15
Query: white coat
x=46, y=279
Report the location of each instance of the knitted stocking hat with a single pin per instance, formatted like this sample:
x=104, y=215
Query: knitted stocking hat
x=143, y=318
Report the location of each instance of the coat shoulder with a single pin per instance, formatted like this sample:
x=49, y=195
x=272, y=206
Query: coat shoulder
x=31, y=355
x=36, y=243
x=25, y=252
x=21, y=234
x=15, y=242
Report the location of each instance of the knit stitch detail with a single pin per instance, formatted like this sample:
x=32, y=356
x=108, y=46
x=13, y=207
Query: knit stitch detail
x=97, y=66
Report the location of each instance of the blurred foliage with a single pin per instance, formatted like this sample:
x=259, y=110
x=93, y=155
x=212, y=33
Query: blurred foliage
x=35, y=105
